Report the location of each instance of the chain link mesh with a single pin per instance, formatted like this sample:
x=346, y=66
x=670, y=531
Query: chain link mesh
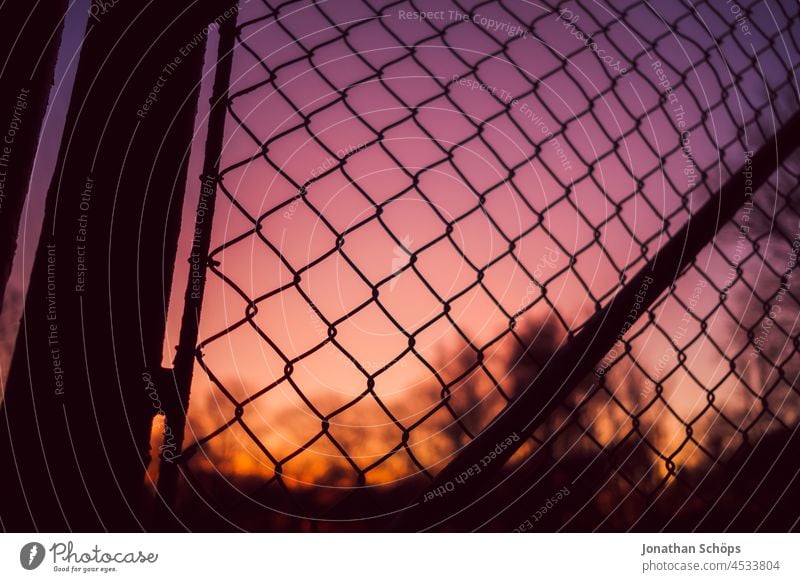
x=412, y=196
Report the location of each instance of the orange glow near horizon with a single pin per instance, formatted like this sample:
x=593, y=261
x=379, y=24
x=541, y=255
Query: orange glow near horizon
x=578, y=219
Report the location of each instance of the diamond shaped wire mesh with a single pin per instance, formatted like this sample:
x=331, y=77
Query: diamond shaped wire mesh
x=407, y=204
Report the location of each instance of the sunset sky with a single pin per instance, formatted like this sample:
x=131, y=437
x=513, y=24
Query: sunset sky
x=465, y=158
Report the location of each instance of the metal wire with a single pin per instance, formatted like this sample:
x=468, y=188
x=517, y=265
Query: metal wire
x=622, y=149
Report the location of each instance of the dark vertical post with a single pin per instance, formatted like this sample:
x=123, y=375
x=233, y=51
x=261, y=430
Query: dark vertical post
x=30, y=37
x=75, y=424
x=195, y=285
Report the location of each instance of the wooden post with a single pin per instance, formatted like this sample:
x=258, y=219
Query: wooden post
x=29, y=43
x=78, y=409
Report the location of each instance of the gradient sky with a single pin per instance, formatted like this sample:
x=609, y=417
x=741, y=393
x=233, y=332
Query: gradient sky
x=573, y=197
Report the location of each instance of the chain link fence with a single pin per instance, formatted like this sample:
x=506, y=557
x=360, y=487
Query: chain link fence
x=419, y=204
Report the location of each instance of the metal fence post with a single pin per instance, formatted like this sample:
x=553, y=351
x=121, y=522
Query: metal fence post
x=181, y=374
